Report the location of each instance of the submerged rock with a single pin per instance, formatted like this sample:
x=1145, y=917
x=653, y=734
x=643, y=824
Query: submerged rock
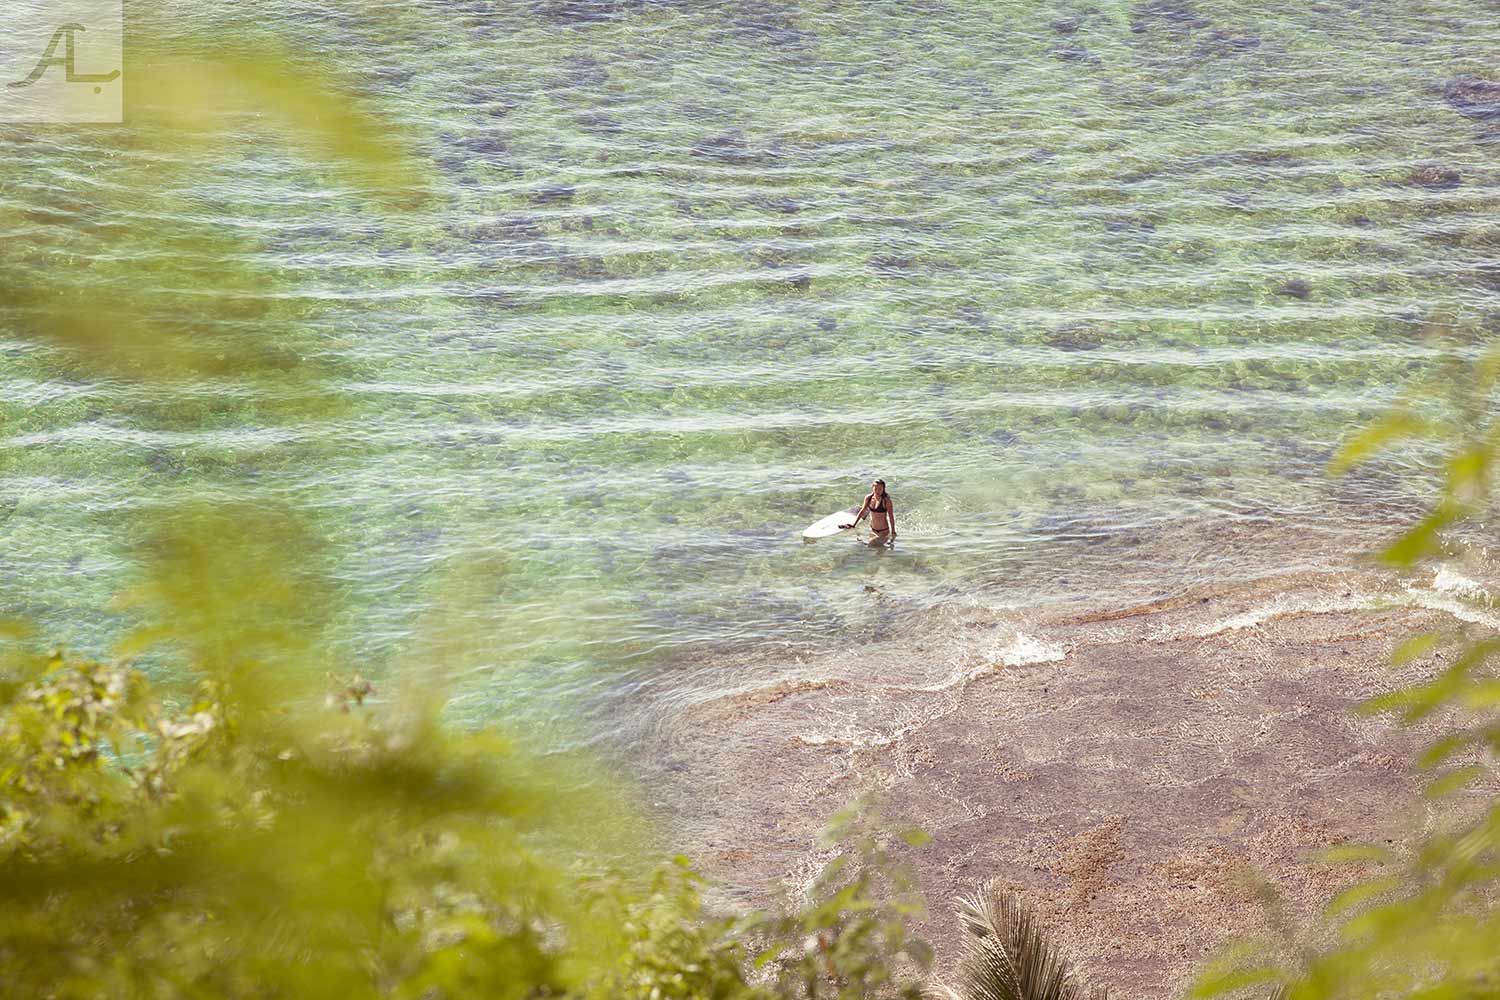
x=553, y=194
x=1075, y=53
x=1226, y=42
x=1178, y=14
x=583, y=267
x=1487, y=275
x=770, y=22
x=581, y=72
x=167, y=463
x=1474, y=98
x=1435, y=178
x=484, y=144
x=891, y=265
x=728, y=147
x=576, y=11
x=783, y=206
x=1295, y=289
x=514, y=228
x=1076, y=339
x=598, y=123
x=491, y=101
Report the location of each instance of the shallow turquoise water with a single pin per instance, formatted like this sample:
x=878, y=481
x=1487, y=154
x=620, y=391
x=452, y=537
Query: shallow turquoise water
x=696, y=272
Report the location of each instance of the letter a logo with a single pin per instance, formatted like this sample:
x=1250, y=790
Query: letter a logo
x=64, y=34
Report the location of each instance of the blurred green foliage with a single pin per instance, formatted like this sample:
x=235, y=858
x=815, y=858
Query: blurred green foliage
x=339, y=851
x=262, y=838
x=1423, y=922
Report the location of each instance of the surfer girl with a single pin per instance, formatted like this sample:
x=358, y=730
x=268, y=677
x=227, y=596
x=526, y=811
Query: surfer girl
x=882, y=511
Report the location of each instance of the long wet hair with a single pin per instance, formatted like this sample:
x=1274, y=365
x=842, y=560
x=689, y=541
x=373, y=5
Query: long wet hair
x=885, y=494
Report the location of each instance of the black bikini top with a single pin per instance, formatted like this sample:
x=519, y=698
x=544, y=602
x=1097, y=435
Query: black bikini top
x=878, y=510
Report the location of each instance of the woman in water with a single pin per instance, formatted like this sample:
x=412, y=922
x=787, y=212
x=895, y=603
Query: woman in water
x=882, y=511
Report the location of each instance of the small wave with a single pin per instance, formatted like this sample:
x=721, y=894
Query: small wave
x=1450, y=591
x=855, y=732
x=1023, y=649
x=1460, y=605
x=853, y=729
x=1449, y=581
x=1259, y=615
x=1018, y=650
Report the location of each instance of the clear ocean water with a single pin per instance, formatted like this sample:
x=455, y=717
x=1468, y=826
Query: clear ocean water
x=694, y=272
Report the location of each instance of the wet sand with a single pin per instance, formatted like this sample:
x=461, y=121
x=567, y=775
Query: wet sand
x=1125, y=766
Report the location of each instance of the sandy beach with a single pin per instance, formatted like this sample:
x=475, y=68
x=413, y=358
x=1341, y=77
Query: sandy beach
x=1128, y=767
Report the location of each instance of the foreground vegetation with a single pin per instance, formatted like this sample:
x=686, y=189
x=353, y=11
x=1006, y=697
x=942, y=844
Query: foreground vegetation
x=236, y=849
x=1421, y=923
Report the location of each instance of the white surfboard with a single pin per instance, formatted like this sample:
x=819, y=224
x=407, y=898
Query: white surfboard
x=830, y=525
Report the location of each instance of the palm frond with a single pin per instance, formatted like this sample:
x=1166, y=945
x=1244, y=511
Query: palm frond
x=1010, y=956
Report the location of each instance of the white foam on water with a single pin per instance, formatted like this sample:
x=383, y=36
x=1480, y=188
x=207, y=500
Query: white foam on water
x=1450, y=591
x=1286, y=604
x=1024, y=649
x=1456, y=603
x=921, y=525
x=1449, y=581
x=857, y=730
x=1016, y=650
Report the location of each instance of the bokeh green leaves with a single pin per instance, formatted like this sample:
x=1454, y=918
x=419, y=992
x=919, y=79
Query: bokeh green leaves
x=1420, y=922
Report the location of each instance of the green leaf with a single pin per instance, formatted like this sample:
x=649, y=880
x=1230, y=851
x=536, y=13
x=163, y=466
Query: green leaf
x=190, y=97
x=1453, y=781
x=1422, y=539
x=1469, y=468
x=1361, y=894
x=1487, y=371
x=1444, y=748
x=1402, y=700
x=15, y=628
x=1352, y=854
x=1414, y=647
x=1234, y=980
x=1482, y=694
x=916, y=837
x=1393, y=427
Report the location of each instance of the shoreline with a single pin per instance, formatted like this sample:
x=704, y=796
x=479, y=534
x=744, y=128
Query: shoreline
x=1125, y=766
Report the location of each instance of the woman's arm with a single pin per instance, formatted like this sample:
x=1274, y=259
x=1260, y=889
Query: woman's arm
x=890, y=515
x=861, y=515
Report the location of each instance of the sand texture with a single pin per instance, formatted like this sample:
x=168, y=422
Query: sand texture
x=1124, y=766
